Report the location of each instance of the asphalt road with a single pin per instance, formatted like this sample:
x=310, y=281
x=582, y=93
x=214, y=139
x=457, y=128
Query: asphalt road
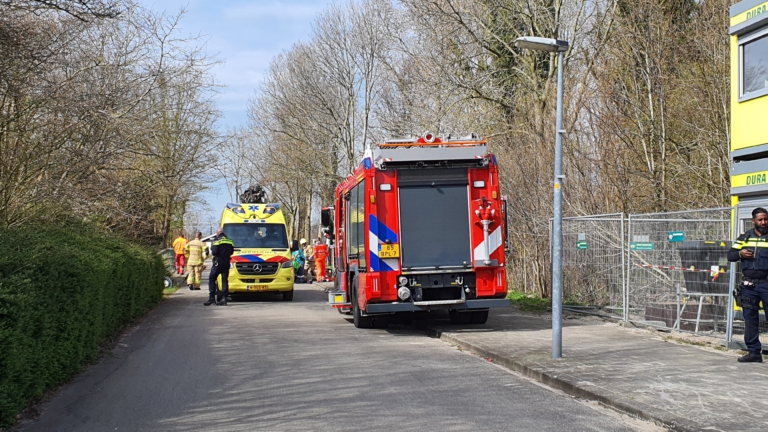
x=266, y=364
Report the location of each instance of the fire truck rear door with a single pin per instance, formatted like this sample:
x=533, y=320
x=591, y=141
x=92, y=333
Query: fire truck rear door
x=434, y=218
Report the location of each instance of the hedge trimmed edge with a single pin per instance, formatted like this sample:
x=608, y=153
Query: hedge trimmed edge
x=63, y=293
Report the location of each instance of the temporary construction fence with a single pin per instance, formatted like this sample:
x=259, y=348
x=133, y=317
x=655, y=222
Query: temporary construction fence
x=593, y=261
x=667, y=270
x=677, y=270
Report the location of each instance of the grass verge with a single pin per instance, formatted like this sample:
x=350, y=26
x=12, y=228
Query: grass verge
x=528, y=304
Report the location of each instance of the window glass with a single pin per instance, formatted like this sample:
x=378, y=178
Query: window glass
x=361, y=225
x=755, y=65
x=356, y=214
x=352, y=215
x=257, y=235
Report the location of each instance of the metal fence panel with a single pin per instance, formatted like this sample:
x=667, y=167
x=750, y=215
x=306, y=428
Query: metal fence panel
x=593, y=262
x=668, y=270
x=677, y=272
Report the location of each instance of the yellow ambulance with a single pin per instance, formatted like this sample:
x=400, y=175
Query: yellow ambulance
x=262, y=258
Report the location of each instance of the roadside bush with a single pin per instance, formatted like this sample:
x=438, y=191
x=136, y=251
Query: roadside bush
x=63, y=293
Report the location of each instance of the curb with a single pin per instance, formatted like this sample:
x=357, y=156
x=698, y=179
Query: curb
x=543, y=375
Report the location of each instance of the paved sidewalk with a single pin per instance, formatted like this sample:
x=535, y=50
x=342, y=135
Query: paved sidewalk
x=681, y=387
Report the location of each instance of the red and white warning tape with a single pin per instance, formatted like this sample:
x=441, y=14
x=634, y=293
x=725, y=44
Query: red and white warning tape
x=693, y=269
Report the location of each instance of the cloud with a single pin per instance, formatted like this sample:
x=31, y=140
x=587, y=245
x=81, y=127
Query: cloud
x=276, y=9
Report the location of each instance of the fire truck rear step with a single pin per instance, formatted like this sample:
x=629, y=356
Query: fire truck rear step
x=438, y=302
x=373, y=308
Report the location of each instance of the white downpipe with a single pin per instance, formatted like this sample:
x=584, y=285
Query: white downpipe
x=486, y=236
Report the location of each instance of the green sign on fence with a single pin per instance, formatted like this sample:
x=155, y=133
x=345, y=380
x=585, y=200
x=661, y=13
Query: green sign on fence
x=582, y=245
x=644, y=246
x=676, y=236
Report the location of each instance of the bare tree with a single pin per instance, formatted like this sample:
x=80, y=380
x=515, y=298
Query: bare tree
x=102, y=118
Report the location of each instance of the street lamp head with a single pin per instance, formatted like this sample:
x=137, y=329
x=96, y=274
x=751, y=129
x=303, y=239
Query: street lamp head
x=541, y=44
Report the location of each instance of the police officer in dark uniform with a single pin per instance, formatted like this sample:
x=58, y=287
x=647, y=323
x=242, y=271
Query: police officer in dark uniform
x=221, y=250
x=752, y=249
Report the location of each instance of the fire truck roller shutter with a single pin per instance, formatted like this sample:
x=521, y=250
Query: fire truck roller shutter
x=434, y=217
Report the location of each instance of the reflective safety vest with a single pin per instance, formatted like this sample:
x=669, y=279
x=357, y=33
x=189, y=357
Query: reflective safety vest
x=178, y=245
x=309, y=252
x=195, y=251
x=222, y=249
x=321, y=251
x=758, y=245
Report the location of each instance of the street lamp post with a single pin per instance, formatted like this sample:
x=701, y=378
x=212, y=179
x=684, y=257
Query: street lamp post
x=560, y=47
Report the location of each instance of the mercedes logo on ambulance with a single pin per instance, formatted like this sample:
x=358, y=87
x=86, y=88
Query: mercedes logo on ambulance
x=257, y=268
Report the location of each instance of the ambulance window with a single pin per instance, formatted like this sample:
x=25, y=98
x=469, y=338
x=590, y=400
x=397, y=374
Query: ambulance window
x=754, y=65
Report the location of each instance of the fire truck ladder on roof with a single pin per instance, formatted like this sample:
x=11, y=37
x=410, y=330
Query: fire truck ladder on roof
x=434, y=149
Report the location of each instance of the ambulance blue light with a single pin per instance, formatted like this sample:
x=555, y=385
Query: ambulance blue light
x=236, y=208
x=271, y=208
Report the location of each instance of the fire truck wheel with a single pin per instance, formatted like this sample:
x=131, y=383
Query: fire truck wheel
x=459, y=317
x=479, y=317
x=288, y=296
x=357, y=314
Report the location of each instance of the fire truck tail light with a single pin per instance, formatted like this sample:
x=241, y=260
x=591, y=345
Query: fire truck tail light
x=478, y=183
x=403, y=293
x=385, y=187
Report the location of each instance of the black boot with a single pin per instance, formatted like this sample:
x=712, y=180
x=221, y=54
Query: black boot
x=751, y=358
x=222, y=302
x=210, y=301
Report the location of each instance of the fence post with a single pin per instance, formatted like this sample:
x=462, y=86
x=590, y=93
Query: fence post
x=732, y=278
x=629, y=270
x=679, y=318
x=623, y=272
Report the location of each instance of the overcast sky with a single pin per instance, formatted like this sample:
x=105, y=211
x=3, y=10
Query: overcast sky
x=245, y=36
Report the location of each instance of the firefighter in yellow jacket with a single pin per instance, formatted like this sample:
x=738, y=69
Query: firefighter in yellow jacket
x=194, y=251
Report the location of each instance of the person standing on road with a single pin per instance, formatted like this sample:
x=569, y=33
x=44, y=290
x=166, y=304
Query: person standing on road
x=178, y=249
x=321, y=258
x=221, y=250
x=195, y=254
x=751, y=248
x=297, y=254
x=309, y=253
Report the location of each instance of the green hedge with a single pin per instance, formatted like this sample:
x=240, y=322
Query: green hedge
x=63, y=293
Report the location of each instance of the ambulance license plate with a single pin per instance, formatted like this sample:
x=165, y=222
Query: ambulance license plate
x=256, y=287
x=389, y=251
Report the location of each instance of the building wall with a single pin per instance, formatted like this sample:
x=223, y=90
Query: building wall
x=749, y=112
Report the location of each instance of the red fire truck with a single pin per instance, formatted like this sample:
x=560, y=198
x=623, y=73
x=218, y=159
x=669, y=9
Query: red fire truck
x=420, y=225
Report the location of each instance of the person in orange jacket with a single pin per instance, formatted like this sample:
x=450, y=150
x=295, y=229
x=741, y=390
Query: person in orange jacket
x=178, y=248
x=321, y=258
